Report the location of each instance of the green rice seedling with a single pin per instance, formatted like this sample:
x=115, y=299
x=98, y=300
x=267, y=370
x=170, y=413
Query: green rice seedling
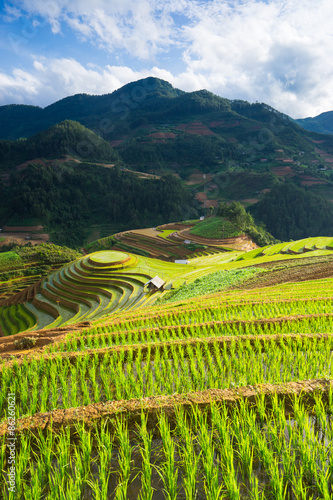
x=255, y=493
x=22, y=464
x=104, y=446
x=210, y=466
x=3, y=447
x=278, y=486
x=190, y=458
x=100, y=485
x=124, y=460
x=86, y=448
x=146, y=492
x=299, y=490
x=93, y=379
x=61, y=470
x=45, y=450
x=44, y=395
x=168, y=471
x=34, y=489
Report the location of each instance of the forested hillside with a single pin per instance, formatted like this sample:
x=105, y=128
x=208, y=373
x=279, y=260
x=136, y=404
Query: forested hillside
x=65, y=138
x=290, y=212
x=67, y=198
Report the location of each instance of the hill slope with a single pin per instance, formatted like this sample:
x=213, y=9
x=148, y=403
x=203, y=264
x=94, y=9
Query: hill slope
x=323, y=123
x=65, y=138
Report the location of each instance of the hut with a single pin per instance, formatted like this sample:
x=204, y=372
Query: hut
x=156, y=284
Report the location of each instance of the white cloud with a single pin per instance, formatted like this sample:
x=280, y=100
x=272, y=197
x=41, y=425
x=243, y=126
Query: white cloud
x=140, y=27
x=52, y=79
x=275, y=51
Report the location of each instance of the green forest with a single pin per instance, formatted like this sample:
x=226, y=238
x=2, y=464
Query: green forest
x=67, y=138
x=66, y=198
x=291, y=212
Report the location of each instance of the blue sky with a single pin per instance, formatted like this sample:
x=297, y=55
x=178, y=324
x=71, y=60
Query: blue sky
x=273, y=51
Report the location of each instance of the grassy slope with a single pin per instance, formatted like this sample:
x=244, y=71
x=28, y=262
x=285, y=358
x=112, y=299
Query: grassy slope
x=215, y=228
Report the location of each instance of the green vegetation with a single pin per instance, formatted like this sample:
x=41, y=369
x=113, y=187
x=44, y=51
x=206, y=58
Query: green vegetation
x=251, y=441
x=25, y=265
x=9, y=260
x=260, y=456
x=244, y=335
x=67, y=198
x=290, y=212
x=108, y=258
x=215, y=227
x=65, y=138
x=231, y=221
x=215, y=282
x=108, y=282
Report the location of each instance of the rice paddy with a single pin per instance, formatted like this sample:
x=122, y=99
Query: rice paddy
x=220, y=396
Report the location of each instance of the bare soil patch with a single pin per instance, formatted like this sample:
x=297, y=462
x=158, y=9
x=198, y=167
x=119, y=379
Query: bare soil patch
x=202, y=197
x=21, y=238
x=22, y=229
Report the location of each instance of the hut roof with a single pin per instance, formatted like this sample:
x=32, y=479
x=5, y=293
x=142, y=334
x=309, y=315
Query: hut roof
x=158, y=282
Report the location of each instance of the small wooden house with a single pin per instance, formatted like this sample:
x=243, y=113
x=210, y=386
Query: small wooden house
x=156, y=284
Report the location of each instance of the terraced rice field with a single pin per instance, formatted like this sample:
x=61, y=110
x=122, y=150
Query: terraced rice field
x=112, y=281
x=226, y=396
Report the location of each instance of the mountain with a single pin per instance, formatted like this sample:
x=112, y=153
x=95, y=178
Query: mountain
x=92, y=111
x=219, y=149
x=323, y=123
x=65, y=138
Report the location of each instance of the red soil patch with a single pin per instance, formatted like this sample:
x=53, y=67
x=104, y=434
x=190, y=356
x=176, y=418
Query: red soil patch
x=317, y=142
x=283, y=171
x=225, y=124
x=24, y=165
x=308, y=180
x=163, y=135
x=285, y=160
x=264, y=191
x=217, y=123
x=202, y=197
x=195, y=128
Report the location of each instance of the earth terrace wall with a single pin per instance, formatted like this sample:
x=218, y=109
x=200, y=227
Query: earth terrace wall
x=62, y=301
x=24, y=296
x=131, y=410
x=45, y=306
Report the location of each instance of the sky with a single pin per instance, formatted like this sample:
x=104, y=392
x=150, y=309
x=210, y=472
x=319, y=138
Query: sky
x=273, y=51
